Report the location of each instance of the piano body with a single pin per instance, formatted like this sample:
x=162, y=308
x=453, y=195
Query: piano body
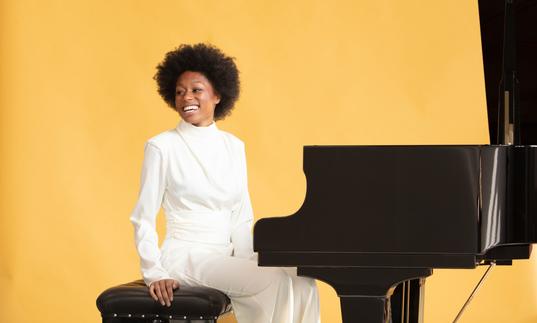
x=377, y=216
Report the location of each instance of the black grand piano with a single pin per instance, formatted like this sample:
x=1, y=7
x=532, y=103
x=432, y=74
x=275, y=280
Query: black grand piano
x=377, y=219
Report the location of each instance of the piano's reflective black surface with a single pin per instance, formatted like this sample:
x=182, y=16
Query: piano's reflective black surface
x=376, y=205
x=392, y=213
x=375, y=216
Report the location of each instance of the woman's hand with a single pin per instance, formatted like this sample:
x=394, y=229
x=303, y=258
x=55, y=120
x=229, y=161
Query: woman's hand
x=162, y=291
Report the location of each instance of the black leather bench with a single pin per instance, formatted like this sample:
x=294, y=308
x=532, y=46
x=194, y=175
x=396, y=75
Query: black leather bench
x=131, y=303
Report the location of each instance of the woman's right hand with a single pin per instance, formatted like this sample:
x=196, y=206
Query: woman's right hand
x=162, y=291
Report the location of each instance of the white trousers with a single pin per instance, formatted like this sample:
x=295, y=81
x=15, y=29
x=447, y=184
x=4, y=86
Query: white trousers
x=258, y=294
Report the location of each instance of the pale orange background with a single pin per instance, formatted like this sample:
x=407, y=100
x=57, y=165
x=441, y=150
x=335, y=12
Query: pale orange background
x=78, y=102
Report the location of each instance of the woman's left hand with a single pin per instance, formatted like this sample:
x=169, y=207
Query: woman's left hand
x=162, y=291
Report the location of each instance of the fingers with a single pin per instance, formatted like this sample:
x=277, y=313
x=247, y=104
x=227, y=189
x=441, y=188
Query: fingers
x=166, y=297
x=152, y=292
x=162, y=291
x=159, y=293
x=169, y=289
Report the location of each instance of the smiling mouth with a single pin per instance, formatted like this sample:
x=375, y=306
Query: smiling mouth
x=191, y=108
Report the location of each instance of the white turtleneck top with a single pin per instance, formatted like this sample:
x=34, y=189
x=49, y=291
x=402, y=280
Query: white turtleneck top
x=198, y=176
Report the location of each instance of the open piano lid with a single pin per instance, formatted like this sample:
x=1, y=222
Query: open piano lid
x=515, y=54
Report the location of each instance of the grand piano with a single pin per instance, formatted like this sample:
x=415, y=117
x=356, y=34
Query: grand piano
x=376, y=220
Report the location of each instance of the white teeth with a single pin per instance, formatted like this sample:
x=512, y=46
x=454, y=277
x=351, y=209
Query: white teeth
x=190, y=108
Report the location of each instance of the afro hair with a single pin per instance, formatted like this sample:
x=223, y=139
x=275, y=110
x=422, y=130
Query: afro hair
x=218, y=68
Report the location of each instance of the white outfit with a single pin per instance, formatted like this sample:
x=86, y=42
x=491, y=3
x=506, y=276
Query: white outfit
x=198, y=175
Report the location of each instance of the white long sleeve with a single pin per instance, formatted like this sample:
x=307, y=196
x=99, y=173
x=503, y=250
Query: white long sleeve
x=241, y=234
x=198, y=176
x=243, y=219
x=152, y=188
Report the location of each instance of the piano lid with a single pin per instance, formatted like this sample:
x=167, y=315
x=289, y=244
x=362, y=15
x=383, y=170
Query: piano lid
x=509, y=43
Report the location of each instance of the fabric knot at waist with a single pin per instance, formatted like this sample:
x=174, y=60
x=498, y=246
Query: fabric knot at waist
x=200, y=226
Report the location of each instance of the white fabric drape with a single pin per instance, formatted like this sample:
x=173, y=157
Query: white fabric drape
x=198, y=175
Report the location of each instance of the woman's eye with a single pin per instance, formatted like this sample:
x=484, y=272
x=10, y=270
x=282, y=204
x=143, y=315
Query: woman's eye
x=197, y=90
x=179, y=93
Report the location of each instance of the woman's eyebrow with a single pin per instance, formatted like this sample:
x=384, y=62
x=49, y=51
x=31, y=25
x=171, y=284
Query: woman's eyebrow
x=194, y=81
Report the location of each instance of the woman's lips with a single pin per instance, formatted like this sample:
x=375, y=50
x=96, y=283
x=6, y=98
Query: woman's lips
x=190, y=109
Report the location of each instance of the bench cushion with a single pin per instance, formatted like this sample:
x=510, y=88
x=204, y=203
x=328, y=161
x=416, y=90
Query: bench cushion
x=133, y=300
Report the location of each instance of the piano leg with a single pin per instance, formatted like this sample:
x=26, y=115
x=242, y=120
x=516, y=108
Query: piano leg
x=364, y=292
x=364, y=309
x=406, y=303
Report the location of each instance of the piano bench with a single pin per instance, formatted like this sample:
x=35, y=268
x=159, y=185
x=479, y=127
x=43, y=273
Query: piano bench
x=131, y=303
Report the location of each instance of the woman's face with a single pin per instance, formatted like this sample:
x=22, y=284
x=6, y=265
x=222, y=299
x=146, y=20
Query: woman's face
x=195, y=99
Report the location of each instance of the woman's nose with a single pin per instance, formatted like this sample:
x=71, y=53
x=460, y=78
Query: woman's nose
x=188, y=96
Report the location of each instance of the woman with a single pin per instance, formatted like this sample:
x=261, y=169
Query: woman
x=197, y=173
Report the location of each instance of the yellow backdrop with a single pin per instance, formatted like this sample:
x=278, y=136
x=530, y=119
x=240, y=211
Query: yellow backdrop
x=78, y=102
